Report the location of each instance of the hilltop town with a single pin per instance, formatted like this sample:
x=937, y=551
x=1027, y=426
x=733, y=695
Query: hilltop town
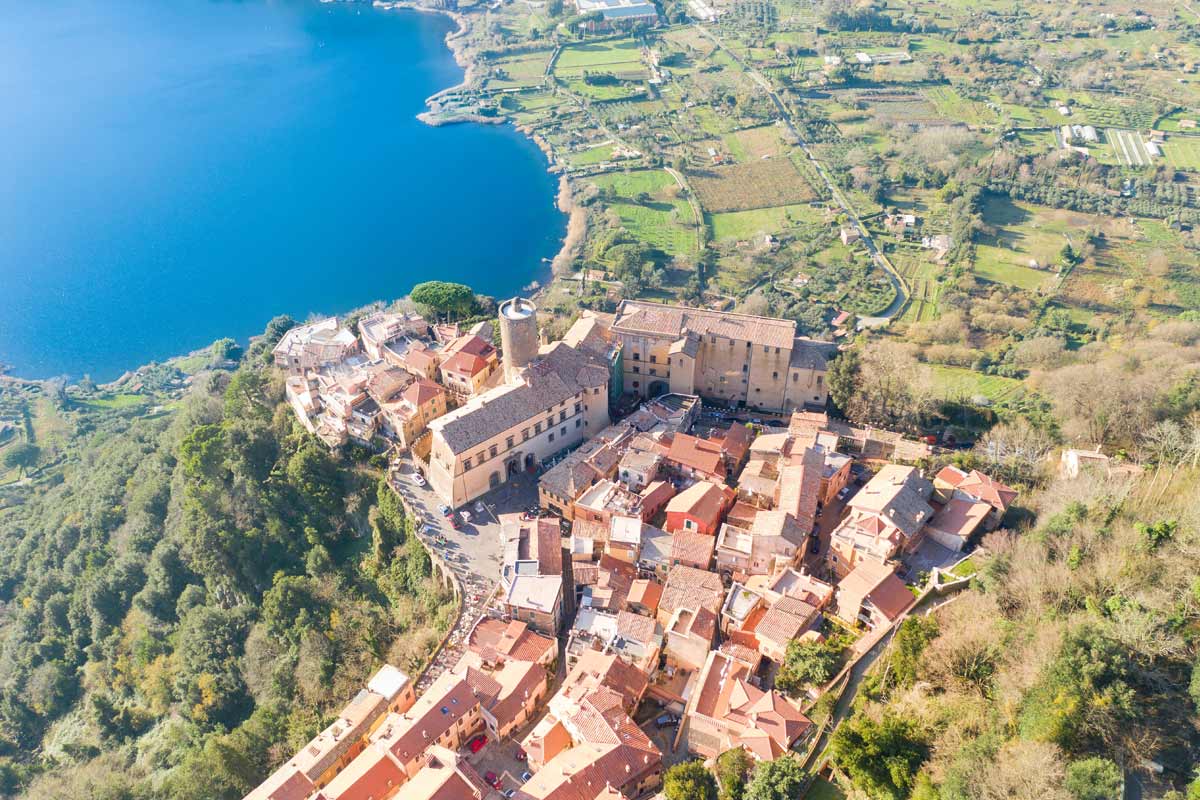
x=673, y=519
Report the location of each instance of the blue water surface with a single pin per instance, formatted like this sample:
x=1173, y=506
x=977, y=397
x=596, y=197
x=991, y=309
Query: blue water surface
x=175, y=171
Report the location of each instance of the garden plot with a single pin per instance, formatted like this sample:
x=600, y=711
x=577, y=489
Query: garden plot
x=1128, y=146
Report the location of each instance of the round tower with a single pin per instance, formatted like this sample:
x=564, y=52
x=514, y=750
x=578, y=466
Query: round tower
x=518, y=334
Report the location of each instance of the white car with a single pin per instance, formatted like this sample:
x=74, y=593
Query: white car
x=417, y=479
x=466, y=515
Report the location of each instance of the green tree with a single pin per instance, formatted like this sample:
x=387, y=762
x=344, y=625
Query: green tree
x=1094, y=779
x=843, y=378
x=689, y=781
x=881, y=758
x=22, y=456
x=733, y=766
x=443, y=297
x=224, y=350
x=914, y=634
x=806, y=663
x=780, y=779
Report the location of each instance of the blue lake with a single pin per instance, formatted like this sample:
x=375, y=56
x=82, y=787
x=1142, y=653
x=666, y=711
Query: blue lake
x=175, y=172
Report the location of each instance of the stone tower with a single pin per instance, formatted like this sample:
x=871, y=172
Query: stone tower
x=518, y=334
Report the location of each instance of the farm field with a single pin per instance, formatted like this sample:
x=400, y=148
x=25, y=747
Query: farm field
x=1183, y=152
x=663, y=219
x=757, y=184
x=1128, y=147
x=615, y=56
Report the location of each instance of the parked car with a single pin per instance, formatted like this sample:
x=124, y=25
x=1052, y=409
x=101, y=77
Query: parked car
x=476, y=744
x=418, y=480
x=445, y=510
x=466, y=516
x=480, y=508
x=455, y=522
x=526, y=776
x=520, y=755
x=509, y=792
x=845, y=493
x=666, y=720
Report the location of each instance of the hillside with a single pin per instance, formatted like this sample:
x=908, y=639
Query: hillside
x=185, y=590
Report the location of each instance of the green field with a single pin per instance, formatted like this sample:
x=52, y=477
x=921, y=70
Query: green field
x=953, y=383
x=822, y=789
x=734, y=225
x=593, y=155
x=614, y=56
x=664, y=220
x=1182, y=152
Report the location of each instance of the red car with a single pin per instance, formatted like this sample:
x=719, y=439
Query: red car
x=477, y=743
x=520, y=754
x=492, y=778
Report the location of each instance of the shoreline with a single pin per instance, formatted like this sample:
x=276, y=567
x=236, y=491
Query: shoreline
x=565, y=199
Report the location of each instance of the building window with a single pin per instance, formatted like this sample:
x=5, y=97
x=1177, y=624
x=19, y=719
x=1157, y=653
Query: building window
x=653, y=359
x=578, y=422
x=564, y=430
x=653, y=371
x=712, y=339
x=492, y=451
x=481, y=457
x=774, y=376
x=596, y=390
x=537, y=427
x=637, y=370
x=637, y=357
x=745, y=368
x=795, y=377
x=689, y=524
x=766, y=349
x=510, y=441
x=466, y=463
x=578, y=407
x=525, y=435
x=552, y=436
x=776, y=351
x=818, y=380
x=668, y=361
x=562, y=416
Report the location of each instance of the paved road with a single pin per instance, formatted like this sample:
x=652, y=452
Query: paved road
x=473, y=551
x=880, y=259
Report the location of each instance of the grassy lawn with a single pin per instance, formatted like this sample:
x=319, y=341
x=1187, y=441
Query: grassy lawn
x=746, y=224
x=1182, y=153
x=599, y=56
x=593, y=155
x=824, y=790
x=956, y=382
x=116, y=401
x=965, y=568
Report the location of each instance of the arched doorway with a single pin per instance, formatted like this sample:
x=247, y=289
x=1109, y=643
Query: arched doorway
x=530, y=462
x=512, y=467
x=494, y=480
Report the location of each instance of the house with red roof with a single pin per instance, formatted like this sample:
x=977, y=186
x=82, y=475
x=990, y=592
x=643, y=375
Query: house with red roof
x=692, y=457
x=872, y=594
x=699, y=508
x=467, y=363
x=951, y=481
x=726, y=710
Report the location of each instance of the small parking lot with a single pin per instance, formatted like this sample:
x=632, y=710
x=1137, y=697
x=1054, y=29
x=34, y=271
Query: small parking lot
x=499, y=759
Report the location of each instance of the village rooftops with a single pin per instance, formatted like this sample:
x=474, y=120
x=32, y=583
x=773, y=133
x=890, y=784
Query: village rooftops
x=636, y=317
x=495, y=639
x=898, y=495
x=372, y=773
x=388, y=682
x=330, y=744
x=703, y=500
x=688, y=587
x=980, y=486
x=447, y=700
x=324, y=333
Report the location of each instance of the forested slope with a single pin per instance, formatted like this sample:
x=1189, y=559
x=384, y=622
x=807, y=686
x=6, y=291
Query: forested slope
x=187, y=596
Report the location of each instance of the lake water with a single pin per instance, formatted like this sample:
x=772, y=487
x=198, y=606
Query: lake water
x=175, y=172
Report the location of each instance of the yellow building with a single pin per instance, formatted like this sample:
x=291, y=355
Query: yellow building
x=737, y=359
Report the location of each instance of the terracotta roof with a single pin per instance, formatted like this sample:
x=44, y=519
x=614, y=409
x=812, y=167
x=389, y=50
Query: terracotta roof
x=989, y=490
x=511, y=640
x=703, y=500
x=472, y=345
x=332, y=743
x=784, y=620
x=635, y=627
x=877, y=582
x=690, y=547
x=960, y=517
x=697, y=454
x=444, y=703
x=285, y=783
x=465, y=364
x=656, y=494
x=422, y=391
x=898, y=494
x=646, y=593
x=372, y=774
x=688, y=587
x=675, y=321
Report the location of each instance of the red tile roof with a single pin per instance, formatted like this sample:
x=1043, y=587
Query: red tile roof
x=690, y=547
x=700, y=455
